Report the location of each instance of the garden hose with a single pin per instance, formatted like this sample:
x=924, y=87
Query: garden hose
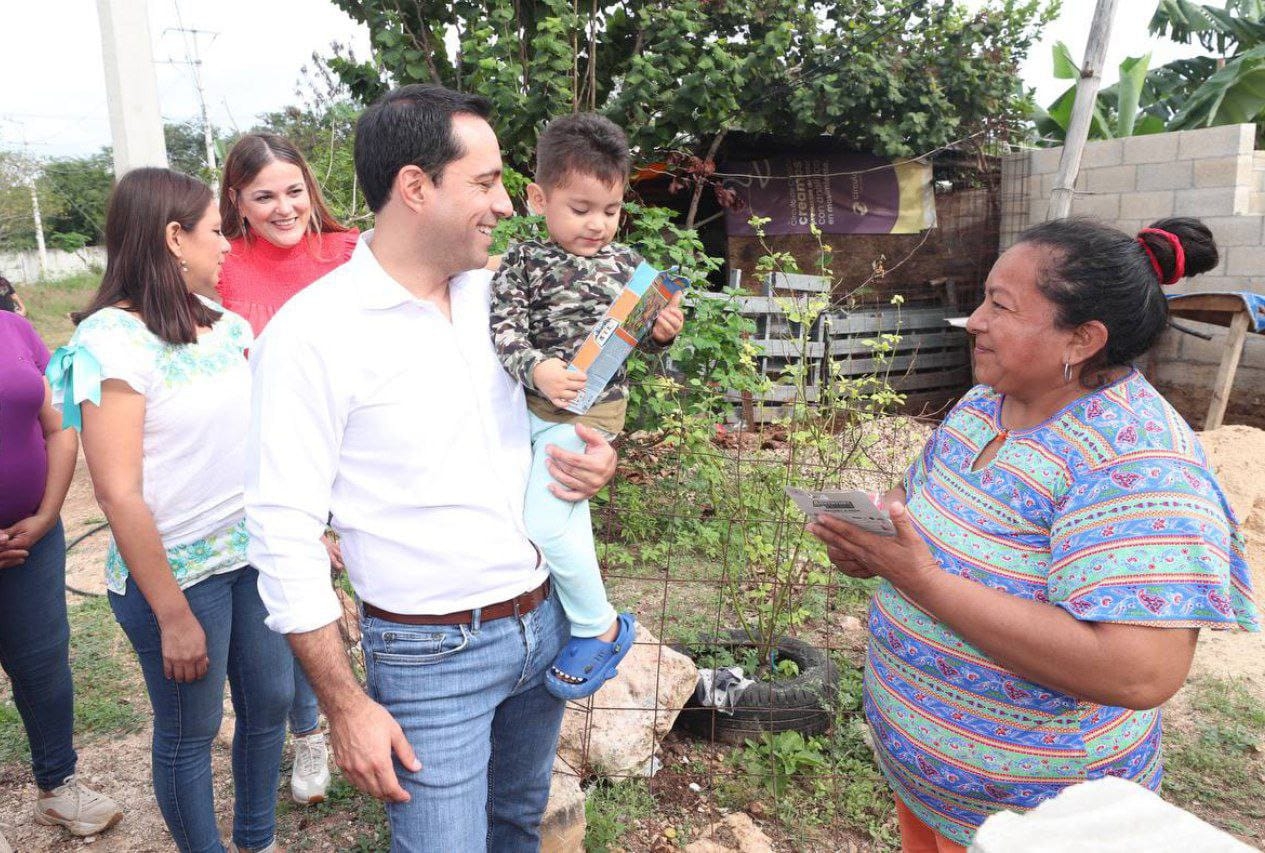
x=82, y=536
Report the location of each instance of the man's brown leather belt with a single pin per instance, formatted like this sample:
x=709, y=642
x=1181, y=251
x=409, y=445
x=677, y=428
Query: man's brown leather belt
x=517, y=606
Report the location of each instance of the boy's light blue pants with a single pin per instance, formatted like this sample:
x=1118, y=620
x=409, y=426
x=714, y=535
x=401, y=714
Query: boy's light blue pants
x=564, y=533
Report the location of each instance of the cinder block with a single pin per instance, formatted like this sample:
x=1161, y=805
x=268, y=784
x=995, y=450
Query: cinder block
x=1245, y=260
x=1223, y=172
x=1216, y=141
x=1047, y=185
x=1105, y=207
x=1236, y=230
x=1147, y=206
x=1178, y=175
x=1153, y=148
x=1111, y=179
x=1210, y=202
x=1256, y=203
x=1045, y=159
x=1106, y=152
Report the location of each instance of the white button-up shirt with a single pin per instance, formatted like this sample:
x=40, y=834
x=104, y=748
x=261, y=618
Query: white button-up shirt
x=371, y=405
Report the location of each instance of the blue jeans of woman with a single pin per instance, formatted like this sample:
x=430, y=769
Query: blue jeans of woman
x=472, y=701
x=304, y=712
x=35, y=654
x=256, y=662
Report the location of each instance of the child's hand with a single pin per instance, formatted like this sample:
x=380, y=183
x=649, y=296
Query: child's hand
x=669, y=322
x=555, y=382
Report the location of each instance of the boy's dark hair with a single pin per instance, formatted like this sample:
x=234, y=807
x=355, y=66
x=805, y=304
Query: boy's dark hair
x=410, y=126
x=582, y=144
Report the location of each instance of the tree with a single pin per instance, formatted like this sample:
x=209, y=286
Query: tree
x=893, y=78
x=73, y=194
x=1202, y=91
x=17, y=225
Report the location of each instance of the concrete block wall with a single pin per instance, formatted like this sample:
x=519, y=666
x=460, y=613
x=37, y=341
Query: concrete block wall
x=1214, y=174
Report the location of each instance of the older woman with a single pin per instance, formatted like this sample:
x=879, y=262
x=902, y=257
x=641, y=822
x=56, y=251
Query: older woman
x=162, y=379
x=1060, y=542
x=283, y=238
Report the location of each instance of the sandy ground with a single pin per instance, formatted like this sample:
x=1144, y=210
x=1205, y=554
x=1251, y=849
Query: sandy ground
x=121, y=765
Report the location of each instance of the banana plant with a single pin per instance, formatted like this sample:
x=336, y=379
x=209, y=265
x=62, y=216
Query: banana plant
x=1118, y=109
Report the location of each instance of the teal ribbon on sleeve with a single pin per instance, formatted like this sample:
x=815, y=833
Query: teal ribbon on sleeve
x=75, y=373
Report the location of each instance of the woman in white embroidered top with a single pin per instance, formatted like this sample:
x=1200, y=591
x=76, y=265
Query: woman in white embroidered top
x=167, y=387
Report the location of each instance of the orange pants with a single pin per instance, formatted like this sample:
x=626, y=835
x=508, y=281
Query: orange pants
x=917, y=837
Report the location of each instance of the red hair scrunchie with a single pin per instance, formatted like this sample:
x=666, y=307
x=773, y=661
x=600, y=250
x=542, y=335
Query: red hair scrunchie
x=1179, y=255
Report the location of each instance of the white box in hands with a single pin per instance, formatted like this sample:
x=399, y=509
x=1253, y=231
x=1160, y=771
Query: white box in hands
x=853, y=507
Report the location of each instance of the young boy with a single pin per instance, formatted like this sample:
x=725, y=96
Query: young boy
x=546, y=298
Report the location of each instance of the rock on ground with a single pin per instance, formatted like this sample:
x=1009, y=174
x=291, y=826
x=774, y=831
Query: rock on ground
x=563, y=826
x=615, y=732
x=736, y=833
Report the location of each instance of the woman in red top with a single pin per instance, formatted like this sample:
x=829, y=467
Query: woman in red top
x=283, y=238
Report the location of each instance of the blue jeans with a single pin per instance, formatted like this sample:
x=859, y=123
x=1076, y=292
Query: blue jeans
x=563, y=530
x=304, y=713
x=472, y=702
x=35, y=654
x=256, y=663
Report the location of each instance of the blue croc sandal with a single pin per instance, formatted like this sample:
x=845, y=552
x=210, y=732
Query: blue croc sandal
x=585, y=663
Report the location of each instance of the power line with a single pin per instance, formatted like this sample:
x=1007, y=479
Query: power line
x=193, y=59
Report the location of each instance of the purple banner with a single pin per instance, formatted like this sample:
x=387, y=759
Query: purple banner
x=842, y=193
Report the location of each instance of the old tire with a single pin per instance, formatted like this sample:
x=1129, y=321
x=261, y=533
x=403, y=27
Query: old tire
x=802, y=704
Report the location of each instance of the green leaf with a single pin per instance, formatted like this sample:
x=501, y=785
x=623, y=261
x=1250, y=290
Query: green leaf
x=1233, y=95
x=1064, y=67
x=1132, y=79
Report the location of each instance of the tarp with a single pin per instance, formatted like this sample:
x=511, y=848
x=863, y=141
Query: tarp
x=1254, y=302
x=841, y=193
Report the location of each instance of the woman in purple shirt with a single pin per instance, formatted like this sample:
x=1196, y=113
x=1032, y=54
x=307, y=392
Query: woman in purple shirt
x=37, y=460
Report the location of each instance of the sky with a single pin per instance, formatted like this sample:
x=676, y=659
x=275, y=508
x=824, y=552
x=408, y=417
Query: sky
x=53, y=102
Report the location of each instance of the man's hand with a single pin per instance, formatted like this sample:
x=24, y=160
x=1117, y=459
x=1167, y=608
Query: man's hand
x=559, y=385
x=580, y=476
x=364, y=737
x=669, y=322
x=335, y=552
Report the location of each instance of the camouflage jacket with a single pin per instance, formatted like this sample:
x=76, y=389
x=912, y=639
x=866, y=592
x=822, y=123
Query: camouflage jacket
x=545, y=301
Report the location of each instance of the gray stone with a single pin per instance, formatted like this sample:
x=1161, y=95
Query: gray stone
x=615, y=732
x=1166, y=176
x=562, y=828
x=1152, y=148
x=735, y=833
x=1112, y=179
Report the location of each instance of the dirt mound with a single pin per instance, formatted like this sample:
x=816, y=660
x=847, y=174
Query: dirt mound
x=1237, y=456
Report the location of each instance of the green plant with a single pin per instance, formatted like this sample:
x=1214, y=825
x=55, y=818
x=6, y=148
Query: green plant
x=897, y=79
x=775, y=760
x=610, y=810
x=1215, y=769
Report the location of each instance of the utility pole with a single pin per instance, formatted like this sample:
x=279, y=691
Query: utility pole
x=1082, y=110
x=194, y=61
x=131, y=87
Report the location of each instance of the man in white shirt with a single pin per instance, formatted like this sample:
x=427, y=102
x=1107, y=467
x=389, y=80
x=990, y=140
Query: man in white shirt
x=378, y=398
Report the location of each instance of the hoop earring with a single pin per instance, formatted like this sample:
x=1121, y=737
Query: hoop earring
x=1067, y=371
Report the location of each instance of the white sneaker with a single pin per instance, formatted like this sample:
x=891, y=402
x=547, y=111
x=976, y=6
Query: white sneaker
x=233, y=848
x=77, y=807
x=309, y=779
